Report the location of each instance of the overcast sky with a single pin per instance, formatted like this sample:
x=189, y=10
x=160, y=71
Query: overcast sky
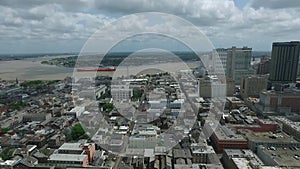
x=42, y=26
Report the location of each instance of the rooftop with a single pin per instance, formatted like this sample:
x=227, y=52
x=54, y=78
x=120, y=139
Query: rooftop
x=295, y=125
x=198, y=166
x=67, y=157
x=243, y=158
x=286, y=92
x=224, y=133
x=71, y=146
x=242, y=163
x=284, y=156
x=268, y=137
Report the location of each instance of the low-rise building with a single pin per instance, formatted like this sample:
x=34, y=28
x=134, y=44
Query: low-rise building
x=144, y=136
x=234, y=103
x=76, y=111
x=121, y=92
x=201, y=153
x=268, y=139
x=64, y=160
x=212, y=86
x=225, y=138
x=290, y=127
x=73, y=154
x=240, y=159
x=29, y=117
x=280, y=101
x=285, y=157
x=261, y=125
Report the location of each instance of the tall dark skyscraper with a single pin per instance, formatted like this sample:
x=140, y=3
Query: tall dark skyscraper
x=284, y=62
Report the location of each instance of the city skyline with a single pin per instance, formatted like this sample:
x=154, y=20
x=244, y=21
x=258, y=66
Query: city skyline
x=149, y=84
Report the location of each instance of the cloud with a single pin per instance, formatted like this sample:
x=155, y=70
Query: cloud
x=223, y=22
x=48, y=21
x=201, y=12
x=67, y=5
x=275, y=4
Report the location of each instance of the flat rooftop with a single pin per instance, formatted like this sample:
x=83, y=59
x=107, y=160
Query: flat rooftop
x=242, y=163
x=182, y=153
x=67, y=157
x=268, y=137
x=295, y=125
x=289, y=92
x=71, y=146
x=224, y=133
x=284, y=156
x=198, y=166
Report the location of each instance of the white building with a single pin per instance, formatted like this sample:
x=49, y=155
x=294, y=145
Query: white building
x=210, y=86
x=63, y=160
x=239, y=63
x=121, y=92
x=78, y=110
x=223, y=56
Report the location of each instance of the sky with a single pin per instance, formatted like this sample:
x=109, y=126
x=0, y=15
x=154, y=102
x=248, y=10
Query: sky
x=55, y=26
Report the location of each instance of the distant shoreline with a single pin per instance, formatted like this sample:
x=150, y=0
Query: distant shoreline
x=32, y=69
x=19, y=56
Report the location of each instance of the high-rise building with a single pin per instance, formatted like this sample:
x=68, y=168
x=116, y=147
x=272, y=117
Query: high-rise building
x=264, y=66
x=284, y=62
x=223, y=56
x=239, y=63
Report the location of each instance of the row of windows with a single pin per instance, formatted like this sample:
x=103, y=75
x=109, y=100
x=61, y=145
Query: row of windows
x=67, y=162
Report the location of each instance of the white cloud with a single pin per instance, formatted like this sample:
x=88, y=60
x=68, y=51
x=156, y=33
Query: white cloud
x=275, y=4
x=256, y=25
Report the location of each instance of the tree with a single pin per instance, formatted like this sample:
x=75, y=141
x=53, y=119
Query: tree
x=5, y=130
x=17, y=105
x=108, y=107
x=7, y=154
x=137, y=94
x=78, y=132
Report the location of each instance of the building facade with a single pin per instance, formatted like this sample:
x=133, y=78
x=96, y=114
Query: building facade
x=264, y=66
x=239, y=63
x=252, y=86
x=121, y=92
x=74, y=155
x=223, y=57
x=276, y=101
x=290, y=127
x=284, y=62
x=211, y=86
x=225, y=138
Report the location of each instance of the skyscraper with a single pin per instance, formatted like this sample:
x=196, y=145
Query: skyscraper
x=223, y=56
x=239, y=63
x=284, y=62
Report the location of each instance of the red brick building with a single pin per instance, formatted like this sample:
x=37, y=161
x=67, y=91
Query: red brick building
x=260, y=126
x=287, y=100
x=225, y=138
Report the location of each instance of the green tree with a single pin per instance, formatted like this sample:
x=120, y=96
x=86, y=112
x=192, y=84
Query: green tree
x=108, y=107
x=5, y=130
x=137, y=94
x=7, y=154
x=78, y=132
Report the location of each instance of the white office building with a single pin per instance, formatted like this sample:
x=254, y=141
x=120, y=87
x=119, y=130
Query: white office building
x=239, y=63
